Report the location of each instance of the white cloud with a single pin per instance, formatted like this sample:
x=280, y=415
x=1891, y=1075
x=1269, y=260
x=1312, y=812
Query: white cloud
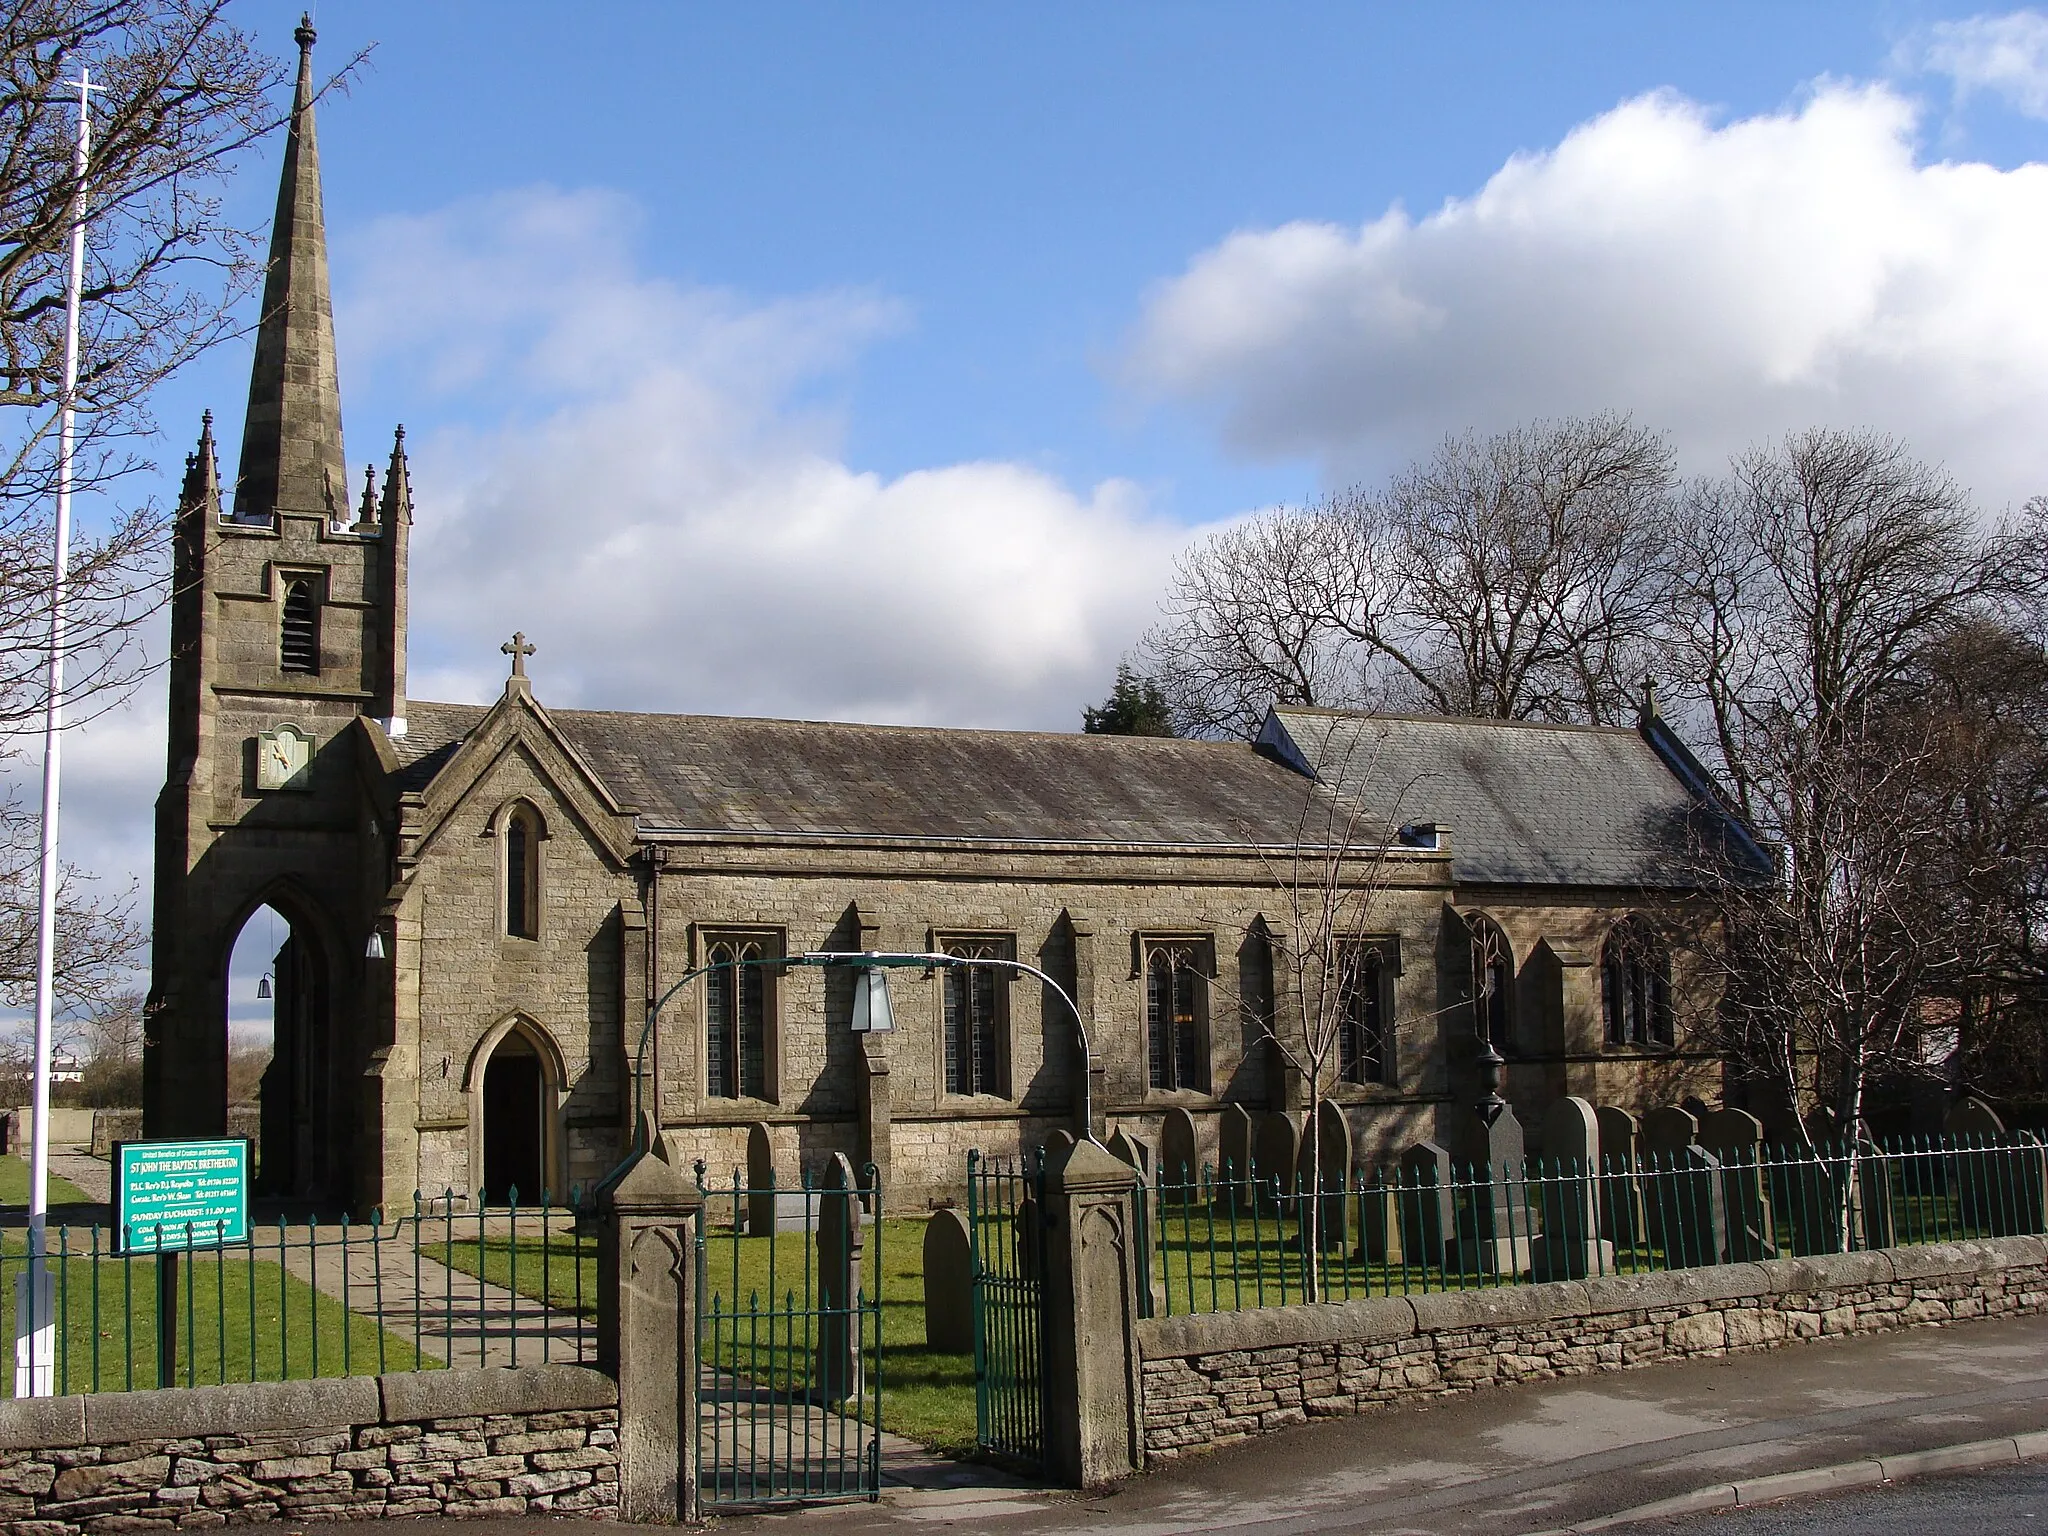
x=1727, y=282
x=2005, y=56
x=663, y=508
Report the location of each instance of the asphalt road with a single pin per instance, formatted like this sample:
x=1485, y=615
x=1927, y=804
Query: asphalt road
x=2007, y=1502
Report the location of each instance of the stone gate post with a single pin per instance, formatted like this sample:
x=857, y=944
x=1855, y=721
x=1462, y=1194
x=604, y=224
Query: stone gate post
x=1091, y=1312
x=646, y=1329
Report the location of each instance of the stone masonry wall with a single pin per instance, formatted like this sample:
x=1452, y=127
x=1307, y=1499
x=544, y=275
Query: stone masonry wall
x=1217, y=1377
x=475, y=1442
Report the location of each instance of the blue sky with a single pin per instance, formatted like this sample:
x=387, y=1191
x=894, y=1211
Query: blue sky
x=875, y=361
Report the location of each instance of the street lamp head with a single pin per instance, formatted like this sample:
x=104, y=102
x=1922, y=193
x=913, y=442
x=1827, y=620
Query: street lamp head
x=872, y=1014
x=374, y=950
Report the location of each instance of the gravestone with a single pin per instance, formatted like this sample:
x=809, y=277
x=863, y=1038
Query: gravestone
x=1379, y=1216
x=1273, y=1156
x=1234, y=1150
x=1685, y=1207
x=1736, y=1138
x=1428, y=1226
x=760, y=1180
x=1669, y=1130
x=1134, y=1150
x=1621, y=1188
x=1179, y=1157
x=1496, y=1238
x=1333, y=1171
x=1780, y=1121
x=1824, y=1127
x=1571, y=1246
x=2001, y=1176
x=839, y=1254
x=948, y=1283
x=1972, y=1117
x=1873, y=1194
x=1694, y=1106
x=1058, y=1142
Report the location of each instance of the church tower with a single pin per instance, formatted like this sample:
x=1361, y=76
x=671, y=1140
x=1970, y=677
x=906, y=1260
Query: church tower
x=287, y=625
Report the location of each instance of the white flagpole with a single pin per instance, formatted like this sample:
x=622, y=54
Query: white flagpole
x=35, y=1326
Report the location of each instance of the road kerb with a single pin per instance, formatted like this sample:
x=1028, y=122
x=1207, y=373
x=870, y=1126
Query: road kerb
x=1868, y=1472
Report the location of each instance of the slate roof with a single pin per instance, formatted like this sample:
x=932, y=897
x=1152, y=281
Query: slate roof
x=1527, y=803
x=711, y=773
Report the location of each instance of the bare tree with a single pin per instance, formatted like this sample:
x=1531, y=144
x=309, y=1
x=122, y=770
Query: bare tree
x=1814, y=575
x=181, y=91
x=1332, y=877
x=1516, y=576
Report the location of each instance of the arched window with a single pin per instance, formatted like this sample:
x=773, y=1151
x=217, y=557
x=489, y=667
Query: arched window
x=976, y=1024
x=1173, y=1019
x=298, y=644
x=736, y=1005
x=1365, y=1044
x=522, y=873
x=1635, y=984
x=1493, y=983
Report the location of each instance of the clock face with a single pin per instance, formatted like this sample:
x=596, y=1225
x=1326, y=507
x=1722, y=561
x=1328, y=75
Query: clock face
x=282, y=757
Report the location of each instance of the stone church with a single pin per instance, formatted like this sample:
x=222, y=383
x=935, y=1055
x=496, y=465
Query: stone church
x=484, y=901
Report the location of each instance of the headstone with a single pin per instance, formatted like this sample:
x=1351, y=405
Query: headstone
x=1136, y=1151
x=1873, y=1194
x=1379, y=1216
x=1571, y=1246
x=1234, y=1149
x=1333, y=1171
x=1273, y=1157
x=1823, y=1128
x=948, y=1283
x=1669, y=1130
x=1736, y=1139
x=1621, y=1188
x=1428, y=1227
x=1685, y=1207
x=1973, y=1117
x=839, y=1254
x=2001, y=1176
x=1693, y=1105
x=1497, y=1239
x=1058, y=1140
x=1029, y=1236
x=1180, y=1159
x=1780, y=1121
x=760, y=1180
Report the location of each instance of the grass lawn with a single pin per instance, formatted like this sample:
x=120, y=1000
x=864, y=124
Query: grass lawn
x=14, y=1185
x=238, y=1320
x=925, y=1395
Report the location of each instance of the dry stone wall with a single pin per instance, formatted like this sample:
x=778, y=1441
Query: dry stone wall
x=461, y=1443
x=1213, y=1378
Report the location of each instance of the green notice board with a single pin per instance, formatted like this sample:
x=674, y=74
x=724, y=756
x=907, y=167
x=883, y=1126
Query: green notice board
x=181, y=1194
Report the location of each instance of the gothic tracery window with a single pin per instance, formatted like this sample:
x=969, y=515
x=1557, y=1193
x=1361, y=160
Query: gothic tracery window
x=1174, y=993
x=736, y=1005
x=522, y=873
x=1493, y=983
x=1635, y=984
x=976, y=1022
x=1365, y=1045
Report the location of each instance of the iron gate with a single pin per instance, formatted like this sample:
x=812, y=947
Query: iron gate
x=1005, y=1220
x=789, y=1369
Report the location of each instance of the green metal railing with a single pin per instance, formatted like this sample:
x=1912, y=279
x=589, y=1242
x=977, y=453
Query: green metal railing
x=439, y=1286
x=1005, y=1209
x=789, y=1331
x=1221, y=1240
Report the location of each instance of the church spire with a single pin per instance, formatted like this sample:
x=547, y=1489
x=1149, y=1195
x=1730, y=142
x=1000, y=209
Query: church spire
x=291, y=439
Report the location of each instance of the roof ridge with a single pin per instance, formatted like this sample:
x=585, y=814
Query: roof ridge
x=865, y=725
x=1365, y=716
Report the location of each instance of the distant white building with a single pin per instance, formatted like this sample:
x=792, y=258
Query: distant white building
x=65, y=1069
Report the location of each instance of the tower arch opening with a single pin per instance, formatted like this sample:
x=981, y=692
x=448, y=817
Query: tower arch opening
x=285, y=1073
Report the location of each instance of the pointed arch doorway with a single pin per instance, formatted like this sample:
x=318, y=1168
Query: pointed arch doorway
x=515, y=1092
x=277, y=997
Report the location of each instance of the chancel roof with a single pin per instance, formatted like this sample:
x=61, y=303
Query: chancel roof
x=701, y=773
x=1530, y=804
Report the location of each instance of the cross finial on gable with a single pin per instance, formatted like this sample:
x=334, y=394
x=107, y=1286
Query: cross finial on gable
x=518, y=650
